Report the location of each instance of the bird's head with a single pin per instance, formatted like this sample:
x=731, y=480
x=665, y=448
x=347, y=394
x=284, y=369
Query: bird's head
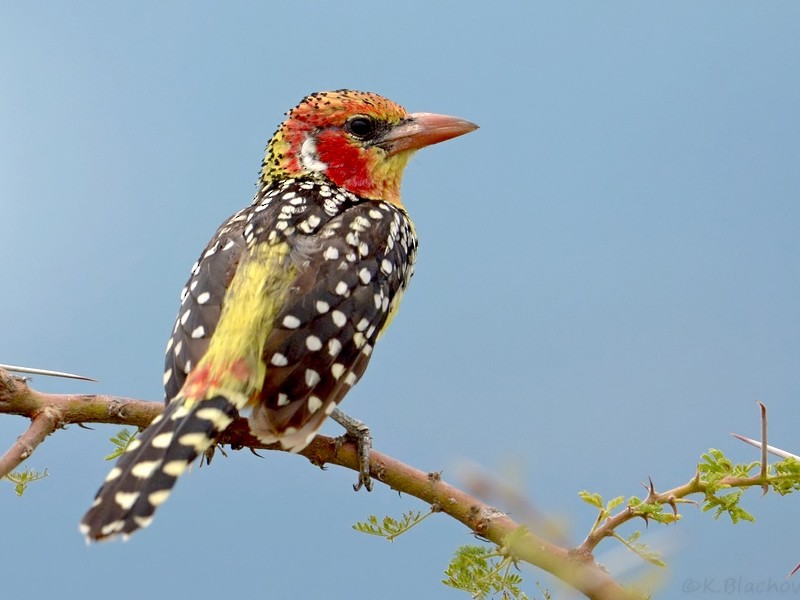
x=357, y=140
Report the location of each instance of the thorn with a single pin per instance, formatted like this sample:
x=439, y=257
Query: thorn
x=696, y=478
x=674, y=505
x=253, y=450
x=651, y=491
x=764, y=467
x=770, y=449
x=32, y=371
x=83, y=426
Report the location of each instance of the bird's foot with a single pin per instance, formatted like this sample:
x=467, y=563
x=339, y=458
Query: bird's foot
x=358, y=431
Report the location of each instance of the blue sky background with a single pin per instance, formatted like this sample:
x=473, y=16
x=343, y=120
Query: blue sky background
x=608, y=275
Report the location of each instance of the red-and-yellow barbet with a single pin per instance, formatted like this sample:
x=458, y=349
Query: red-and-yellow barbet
x=283, y=308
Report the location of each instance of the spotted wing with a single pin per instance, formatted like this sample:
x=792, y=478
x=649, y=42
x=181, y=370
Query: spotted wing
x=353, y=259
x=201, y=302
x=352, y=274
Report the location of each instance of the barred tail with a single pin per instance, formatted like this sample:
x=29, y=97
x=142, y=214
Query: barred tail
x=145, y=474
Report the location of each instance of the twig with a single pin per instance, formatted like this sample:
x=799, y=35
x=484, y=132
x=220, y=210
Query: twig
x=578, y=571
x=42, y=425
x=671, y=498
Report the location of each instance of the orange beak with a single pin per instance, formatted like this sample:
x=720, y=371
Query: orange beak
x=423, y=129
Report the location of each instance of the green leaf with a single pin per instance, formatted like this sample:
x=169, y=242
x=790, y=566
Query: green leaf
x=121, y=441
x=592, y=498
x=21, y=479
x=484, y=573
x=727, y=504
x=642, y=550
x=787, y=476
x=390, y=528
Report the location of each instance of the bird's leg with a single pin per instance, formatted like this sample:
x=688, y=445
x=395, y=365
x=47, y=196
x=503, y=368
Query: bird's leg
x=360, y=432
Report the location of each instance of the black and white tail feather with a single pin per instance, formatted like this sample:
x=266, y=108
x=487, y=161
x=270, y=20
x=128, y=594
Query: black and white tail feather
x=146, y=472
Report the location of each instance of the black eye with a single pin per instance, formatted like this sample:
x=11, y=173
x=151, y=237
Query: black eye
x=360, y=127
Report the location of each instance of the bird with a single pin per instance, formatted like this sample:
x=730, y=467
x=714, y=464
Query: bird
x=282, y=310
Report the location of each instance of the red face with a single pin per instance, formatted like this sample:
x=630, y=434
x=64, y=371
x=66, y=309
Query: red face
x=359, y=141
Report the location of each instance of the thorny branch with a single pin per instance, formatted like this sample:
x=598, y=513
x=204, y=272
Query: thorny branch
x=49, y=412
x=678, y=495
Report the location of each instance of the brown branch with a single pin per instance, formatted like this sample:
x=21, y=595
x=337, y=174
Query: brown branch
x=51, y=411
x=42, y=425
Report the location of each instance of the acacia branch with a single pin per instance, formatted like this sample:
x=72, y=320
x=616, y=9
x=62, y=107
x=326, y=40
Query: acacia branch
x=49, y=412
x=607, y=527
x=42, y=425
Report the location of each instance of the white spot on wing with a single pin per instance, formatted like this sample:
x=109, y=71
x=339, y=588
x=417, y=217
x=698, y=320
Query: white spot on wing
x=339, y=318
x=312, y=377
x=314, y=404
x=359, y=339
x=291, y=322
x=337, y=369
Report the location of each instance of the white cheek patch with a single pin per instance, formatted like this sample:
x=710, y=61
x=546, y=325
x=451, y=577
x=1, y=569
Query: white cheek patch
x=309, y=158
